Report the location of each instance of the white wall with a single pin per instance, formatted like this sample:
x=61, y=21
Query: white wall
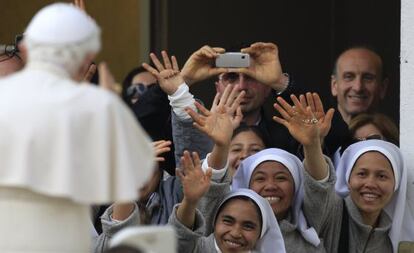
x=407, y=87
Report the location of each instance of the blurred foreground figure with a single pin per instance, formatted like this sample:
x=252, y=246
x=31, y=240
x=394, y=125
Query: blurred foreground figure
x=63, y=145
x=145, y=239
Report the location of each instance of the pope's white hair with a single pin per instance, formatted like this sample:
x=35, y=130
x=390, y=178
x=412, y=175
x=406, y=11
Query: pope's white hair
x=67, y=57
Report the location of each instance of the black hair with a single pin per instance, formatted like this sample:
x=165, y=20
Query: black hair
x=243, y=127
x=128, y=80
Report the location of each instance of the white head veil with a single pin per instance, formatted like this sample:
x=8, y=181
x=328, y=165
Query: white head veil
x=242, y=180
x=271, y=239
x=402, y=219
x=61, y=36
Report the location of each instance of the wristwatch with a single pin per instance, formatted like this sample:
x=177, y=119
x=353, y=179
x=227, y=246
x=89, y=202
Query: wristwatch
x=287, y=84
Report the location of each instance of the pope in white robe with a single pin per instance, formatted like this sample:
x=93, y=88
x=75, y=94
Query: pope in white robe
x=64, y=145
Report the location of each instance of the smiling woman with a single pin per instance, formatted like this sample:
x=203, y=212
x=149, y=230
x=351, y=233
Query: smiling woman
x=374, y=176
x=277, y=176
x=371, y=185
x=244, y=221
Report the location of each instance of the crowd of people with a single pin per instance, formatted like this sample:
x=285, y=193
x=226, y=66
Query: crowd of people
x=225, y=178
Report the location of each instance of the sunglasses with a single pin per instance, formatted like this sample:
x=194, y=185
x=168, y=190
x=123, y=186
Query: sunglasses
x=138, y=89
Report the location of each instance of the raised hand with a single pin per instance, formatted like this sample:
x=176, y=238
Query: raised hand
x=315, y=103
x=299, y=120
x=161, y=147
x=230, y=99
x=80, y=4
x=224, y=116
x=195, y=182
x=106, y=79
x=168, y=74
x=200, y=65
x=264, y=65
x=88, y=75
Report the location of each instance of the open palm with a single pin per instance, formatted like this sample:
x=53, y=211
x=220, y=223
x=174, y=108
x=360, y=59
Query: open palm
x=230, y=101
x=315, y=103
x=195, y=182
x=300, y=121
x=168, y=74
x=216, y=124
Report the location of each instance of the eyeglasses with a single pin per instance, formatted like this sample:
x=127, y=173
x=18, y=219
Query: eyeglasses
x=354, y=140
x=370, y=137
x=138, y=89
x=233, y=77
x=9, y=51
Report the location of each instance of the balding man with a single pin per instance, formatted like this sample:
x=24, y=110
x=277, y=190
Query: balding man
x=359, y=84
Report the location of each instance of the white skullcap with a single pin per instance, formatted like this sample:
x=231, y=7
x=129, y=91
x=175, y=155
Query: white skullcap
x=61, y=23
x=59, y=38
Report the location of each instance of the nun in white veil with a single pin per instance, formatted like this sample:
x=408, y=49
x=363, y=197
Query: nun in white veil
x=402, y=218
x=243, y=176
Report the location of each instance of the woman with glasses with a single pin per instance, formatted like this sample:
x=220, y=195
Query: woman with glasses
x=366, y=126
x=369, y=126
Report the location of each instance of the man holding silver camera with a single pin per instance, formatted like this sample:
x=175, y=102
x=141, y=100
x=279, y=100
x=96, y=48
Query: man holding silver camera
x=257, y=80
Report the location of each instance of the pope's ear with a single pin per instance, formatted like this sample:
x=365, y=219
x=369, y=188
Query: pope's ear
x=22, y=51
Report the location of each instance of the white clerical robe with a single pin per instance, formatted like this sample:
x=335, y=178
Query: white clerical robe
x=63, y=146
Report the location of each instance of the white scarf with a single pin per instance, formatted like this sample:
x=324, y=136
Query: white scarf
x=271, y=239
x=402, y=218
x=242, y=180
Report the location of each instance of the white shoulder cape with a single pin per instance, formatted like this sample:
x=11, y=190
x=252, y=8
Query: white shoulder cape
x=65, y=139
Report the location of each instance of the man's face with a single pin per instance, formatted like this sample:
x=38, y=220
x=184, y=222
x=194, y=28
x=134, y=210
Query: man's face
x=358, y=84
x=256, y=93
